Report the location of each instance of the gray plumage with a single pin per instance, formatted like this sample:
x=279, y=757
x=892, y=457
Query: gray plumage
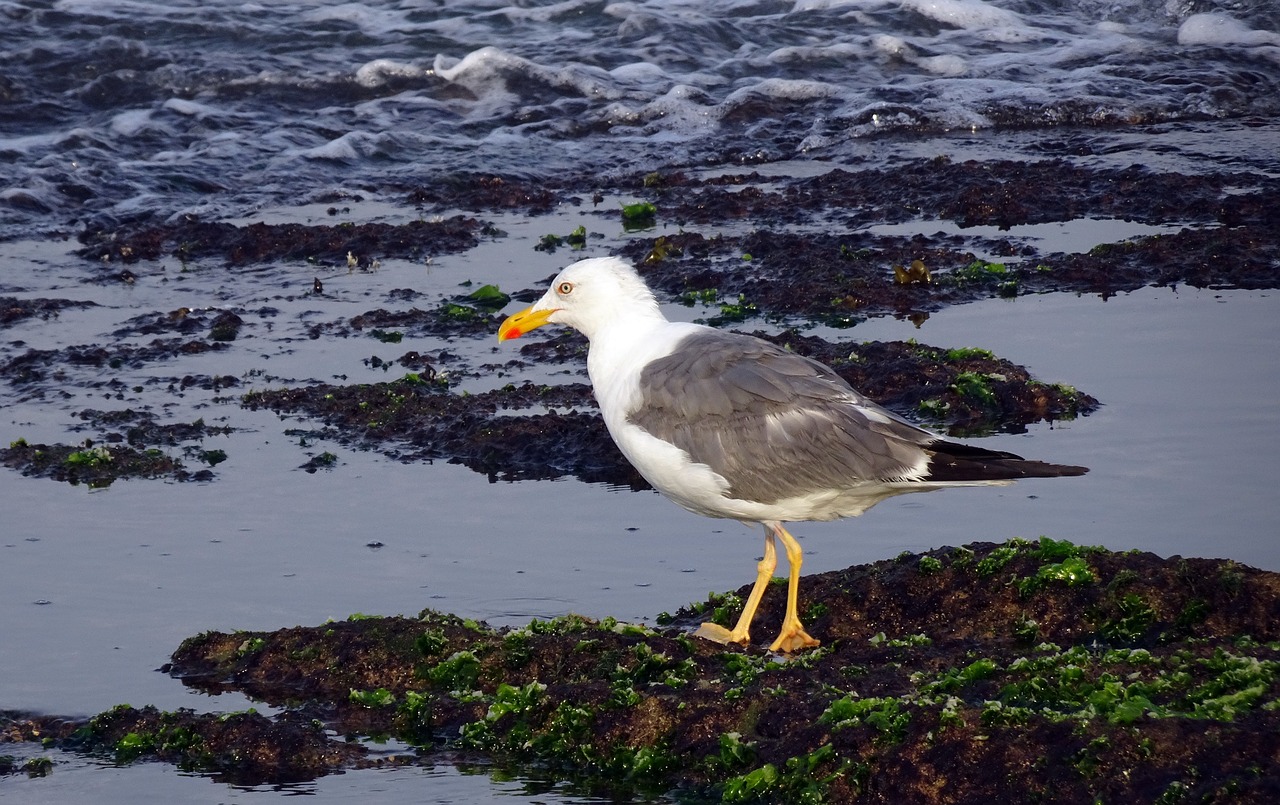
x=774, y=424
x=777, y=425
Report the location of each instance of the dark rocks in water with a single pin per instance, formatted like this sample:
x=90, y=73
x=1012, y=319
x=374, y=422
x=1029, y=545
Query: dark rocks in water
x=225, y=327
x=14, y=310
x=1028, y=671
x=190, y=238
x=413, y=418
x=128, y=446
x=836, y=274
x=478, y=193
x=94, y=465
x=995, y=193
x=35, y=366
x=968, y=391
x=839, y=273
x=841, y=279
x=241, y=749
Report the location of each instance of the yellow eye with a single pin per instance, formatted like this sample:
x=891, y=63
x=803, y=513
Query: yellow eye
x=564, y=288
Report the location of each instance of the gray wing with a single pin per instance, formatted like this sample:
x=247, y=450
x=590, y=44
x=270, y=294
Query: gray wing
x=772, y=423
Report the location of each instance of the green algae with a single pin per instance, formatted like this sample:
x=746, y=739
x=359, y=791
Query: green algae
x=638, y=216
x=1071, y=571
x=930, y=565
x=372, y=698
x=803, y=779
x=997, y=559
x=887, y=716
x=956, y=682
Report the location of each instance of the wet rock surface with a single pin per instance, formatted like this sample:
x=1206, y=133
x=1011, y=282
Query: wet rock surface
x=811, y=261
x=971, y=193
x=14, y=310
x=481, y=193
x=236, y=748
x=414, y=419
x=1029, y=671
x=465, y=315
x=95, y=465
x=346, y=244
x=131, y=444
x=966, y=391
x=36, y=367
x=841, y=279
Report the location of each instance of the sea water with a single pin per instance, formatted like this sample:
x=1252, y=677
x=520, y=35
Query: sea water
x=116, y=112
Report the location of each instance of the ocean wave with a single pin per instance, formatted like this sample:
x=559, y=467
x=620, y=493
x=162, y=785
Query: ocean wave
x=105, y=99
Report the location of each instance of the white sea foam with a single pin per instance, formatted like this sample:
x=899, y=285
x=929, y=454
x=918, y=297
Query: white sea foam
x=638, y=73
x=132, y=122
x=479, y=68
x=25, y=144
x=1222, y=30
x=813, y=53
x=376, y=72
x=784, y=89
x=342, y=149
x=498, y=77
x=825, y=5
x=182, y=106
x=350, y=147
x=117, y=8
x=985, y=20
x=891, y=45
x=950, y=65
x=29, y=197
x=548, y=13
x=681, y=112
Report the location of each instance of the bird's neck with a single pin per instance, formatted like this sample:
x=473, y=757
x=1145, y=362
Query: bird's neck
x=624, y=327
x=626, y=342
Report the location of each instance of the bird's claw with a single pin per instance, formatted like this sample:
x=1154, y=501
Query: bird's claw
x=792, y=639
x=718, y=634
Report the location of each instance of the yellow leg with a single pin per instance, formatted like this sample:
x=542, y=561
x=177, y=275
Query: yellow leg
x=793, y=636
x=764, y=572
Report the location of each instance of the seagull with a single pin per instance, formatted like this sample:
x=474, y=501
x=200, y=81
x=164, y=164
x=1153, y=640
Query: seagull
x=728, y=425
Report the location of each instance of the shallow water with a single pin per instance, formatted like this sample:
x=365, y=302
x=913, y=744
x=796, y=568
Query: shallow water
x=101, y=585
x=79, y=780
x=119, y=111
x=123, y=574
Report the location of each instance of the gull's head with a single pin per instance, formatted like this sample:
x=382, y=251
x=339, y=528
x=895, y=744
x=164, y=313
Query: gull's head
x=587, y=296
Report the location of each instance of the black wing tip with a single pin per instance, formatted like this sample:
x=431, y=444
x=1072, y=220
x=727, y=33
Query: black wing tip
x=1042, y=469
x=1069, y=470
x=948, y=469
x=950, y=461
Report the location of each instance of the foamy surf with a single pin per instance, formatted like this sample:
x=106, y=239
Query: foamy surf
x=114, y=108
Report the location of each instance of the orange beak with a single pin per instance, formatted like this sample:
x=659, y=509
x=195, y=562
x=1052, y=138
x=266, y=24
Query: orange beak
x=521, y=322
